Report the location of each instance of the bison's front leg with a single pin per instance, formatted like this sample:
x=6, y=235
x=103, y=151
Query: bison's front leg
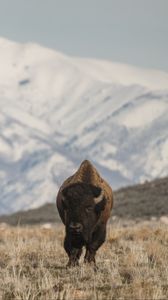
x=74, y=257
x=73, y=253
x=90, y=256
x=98, y=239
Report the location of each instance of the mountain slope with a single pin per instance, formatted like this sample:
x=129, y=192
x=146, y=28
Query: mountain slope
x=58, y=110
x=141, y=201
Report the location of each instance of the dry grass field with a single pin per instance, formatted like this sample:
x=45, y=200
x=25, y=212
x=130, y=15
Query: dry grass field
x=132, y=264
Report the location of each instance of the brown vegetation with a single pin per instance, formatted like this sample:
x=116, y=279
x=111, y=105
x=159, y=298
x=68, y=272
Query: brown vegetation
x=132, y=264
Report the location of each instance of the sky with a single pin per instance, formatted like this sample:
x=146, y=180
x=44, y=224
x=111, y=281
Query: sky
x=126, y=31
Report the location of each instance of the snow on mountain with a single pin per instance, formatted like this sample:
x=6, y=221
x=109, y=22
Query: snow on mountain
x=124, y=74
x=58, y=110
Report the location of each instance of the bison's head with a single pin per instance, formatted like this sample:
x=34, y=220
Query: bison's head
x=82, y=204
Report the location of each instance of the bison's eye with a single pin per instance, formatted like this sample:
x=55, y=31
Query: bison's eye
x=88, y=208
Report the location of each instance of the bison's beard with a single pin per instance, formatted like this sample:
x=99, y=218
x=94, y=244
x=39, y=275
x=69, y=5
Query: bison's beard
x=80, y=238
x=87, y=236
x=77, y=240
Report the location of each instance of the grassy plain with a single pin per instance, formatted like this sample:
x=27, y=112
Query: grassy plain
x=132, y=264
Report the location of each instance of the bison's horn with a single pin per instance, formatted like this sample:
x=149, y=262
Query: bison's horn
x=62, y=194
x=99, y=198
x=63, y=197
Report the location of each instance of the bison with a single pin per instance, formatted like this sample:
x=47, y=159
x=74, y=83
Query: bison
x=84, y=203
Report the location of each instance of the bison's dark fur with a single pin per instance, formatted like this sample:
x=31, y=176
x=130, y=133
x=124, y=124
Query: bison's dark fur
x=84, y=202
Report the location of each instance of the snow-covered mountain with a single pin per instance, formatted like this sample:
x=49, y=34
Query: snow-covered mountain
x=57, y=110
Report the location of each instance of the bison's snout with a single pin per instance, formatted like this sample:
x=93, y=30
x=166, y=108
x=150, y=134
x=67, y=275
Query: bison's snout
x=75, y=227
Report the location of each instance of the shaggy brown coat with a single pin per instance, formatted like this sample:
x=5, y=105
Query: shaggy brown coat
x=88, y=174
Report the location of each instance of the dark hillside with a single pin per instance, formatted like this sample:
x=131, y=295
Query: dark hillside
x=139, y=201
x=143, y=200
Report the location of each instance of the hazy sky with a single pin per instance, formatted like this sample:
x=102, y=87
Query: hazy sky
x=130, y=31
